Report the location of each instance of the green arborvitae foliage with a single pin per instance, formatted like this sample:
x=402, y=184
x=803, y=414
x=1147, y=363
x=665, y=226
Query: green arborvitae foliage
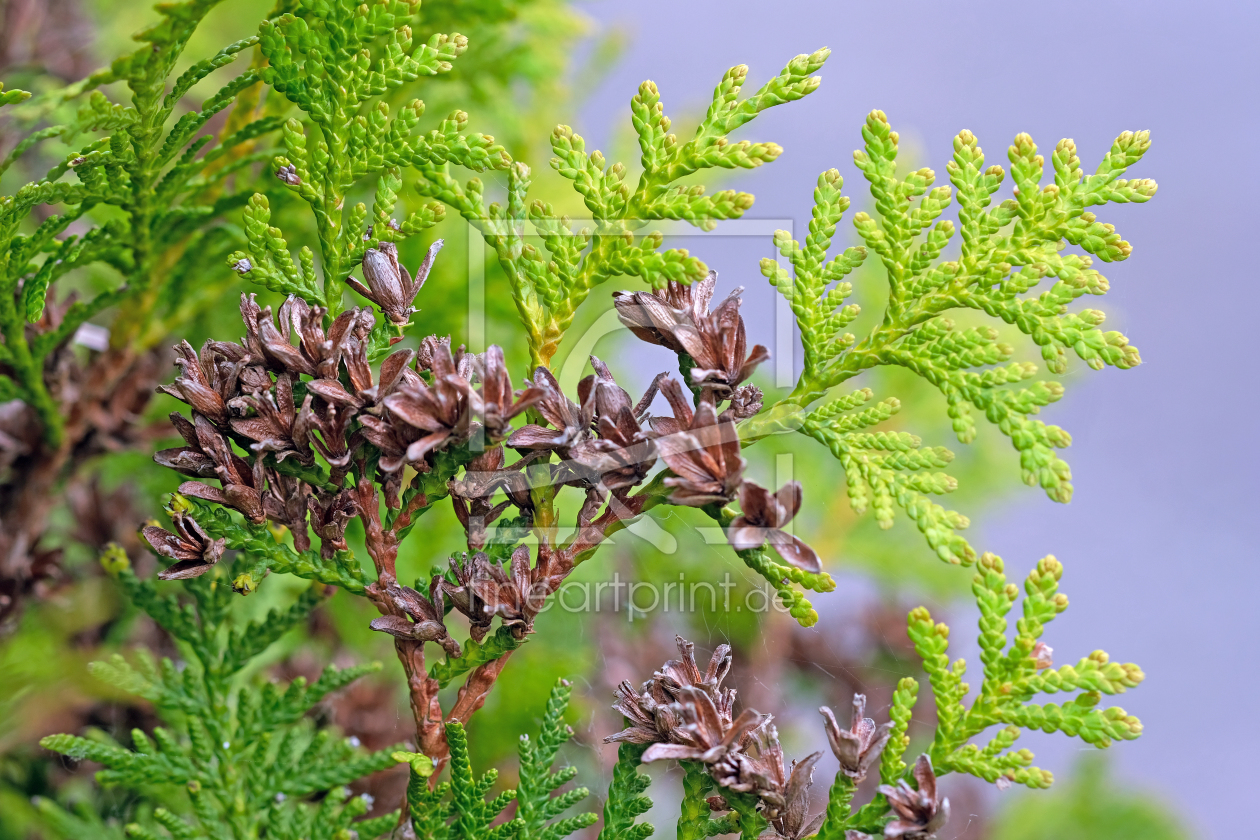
x=1007, y=250
x=8, y=97
x=475, y=653
x=266, y=555
x=838, y=808
x=1015, y=671
x=168, y=193
x=746, y=817
x=782, y=576
x=694, y=822
x=886, y=470
x=336, y=62
x=551, y=278
x=321, y=116
x=457, y=809
x=904, y=697
x=234, y=759
x=472, y=813
x=537, y=800
x=693, y=813
x=626, y=800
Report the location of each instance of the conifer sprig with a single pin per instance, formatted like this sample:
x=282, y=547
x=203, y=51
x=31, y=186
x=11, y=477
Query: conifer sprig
x=336, y=63
x=327, y=431
x=171, y=196
x=538, y=797
x=247, y=756
x=550, y=282
x=458, y=809
x=626, y=801
x=1015, y=671
x=1006, y=251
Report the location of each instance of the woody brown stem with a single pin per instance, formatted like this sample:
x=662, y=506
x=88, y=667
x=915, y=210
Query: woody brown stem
x=552, y=566
x=418, y=502
x=422, y=690
x=426, y=709
x=472, y=694
x=591, y=535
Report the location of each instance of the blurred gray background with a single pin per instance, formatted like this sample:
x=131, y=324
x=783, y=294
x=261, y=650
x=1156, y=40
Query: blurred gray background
x=1160, y=567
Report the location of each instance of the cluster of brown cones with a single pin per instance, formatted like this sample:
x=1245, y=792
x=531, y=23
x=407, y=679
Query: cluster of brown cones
x=686, y=715
x=292, y=390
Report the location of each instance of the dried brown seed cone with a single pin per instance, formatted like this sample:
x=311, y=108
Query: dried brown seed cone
x=192, y=549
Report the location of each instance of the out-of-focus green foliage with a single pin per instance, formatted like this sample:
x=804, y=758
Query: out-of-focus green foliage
x=1088, y=805
x=150, y=199
x=245, y=754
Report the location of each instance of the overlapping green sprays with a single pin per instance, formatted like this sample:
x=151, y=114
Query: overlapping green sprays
x=336, y=61
x=458, y=809
x=549, y=283
x=247, y=756
x=169, y=196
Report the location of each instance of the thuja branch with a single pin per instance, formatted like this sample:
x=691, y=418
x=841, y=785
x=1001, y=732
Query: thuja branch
x=336, y=69
x=1006, y=251
x=84, y=363
x=315, y=419
x=549, y=283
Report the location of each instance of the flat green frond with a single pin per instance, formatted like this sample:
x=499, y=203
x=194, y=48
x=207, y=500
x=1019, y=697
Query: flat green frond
x=473, y=814
x=84, y=821
x=70, y=253
x=549, y=283
x=889, y=470
x=475, y=653
x=268, y=261
x=336, y=64
x=781, y=576
x=266, y=554
x=247, y=751
x=693, y=815
x=1015, y=671
x=180, y=620
x=192, y=122
x=839, y=808
x=205, y=67
x=746, y=814
x=257, y=636
x=626, y=801
x=538, y=796
x=1006, y=250
x=30, y=140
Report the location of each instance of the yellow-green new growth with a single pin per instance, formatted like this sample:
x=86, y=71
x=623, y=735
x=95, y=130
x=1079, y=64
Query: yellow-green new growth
x=1006, y=250
x=1012, y=677
x=549, y=283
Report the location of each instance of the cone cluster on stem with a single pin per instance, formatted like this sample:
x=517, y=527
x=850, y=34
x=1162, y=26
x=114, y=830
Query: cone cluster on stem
x=301, y=390
x=685, y=714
